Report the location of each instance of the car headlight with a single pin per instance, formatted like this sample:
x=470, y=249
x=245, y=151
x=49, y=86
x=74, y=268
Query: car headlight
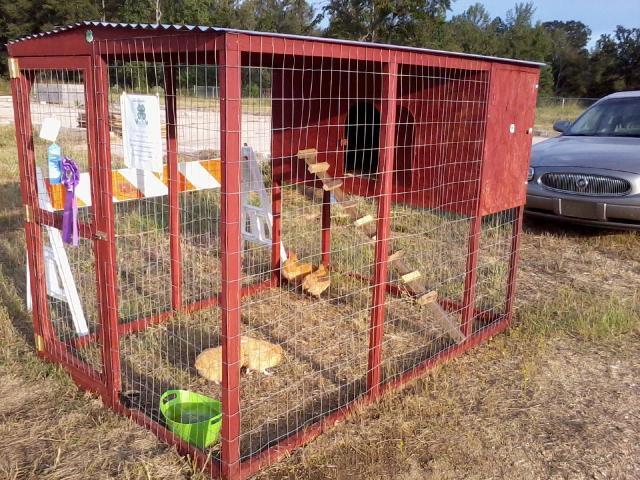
x=530, y=174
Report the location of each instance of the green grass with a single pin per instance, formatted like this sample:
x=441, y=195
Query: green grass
x=581, y=314
x=547, y=115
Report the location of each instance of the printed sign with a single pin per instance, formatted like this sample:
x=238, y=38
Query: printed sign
x=141, y=136
x=49, y=129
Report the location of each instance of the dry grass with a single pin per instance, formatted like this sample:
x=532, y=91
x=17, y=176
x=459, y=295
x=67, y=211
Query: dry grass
x=5, y=88
x=548, y=114
x=556, y=397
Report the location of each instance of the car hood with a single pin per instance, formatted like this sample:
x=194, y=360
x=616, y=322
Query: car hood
x=609, y=153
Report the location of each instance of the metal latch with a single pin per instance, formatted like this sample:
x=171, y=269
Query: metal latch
x=14, y=68
x=100, y=235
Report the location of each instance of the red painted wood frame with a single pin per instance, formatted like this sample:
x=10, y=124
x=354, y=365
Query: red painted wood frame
x=326, y=229
x=174, y=184
x=231, y=249
x=50, y=347
x=384, y=194
x=102, y=195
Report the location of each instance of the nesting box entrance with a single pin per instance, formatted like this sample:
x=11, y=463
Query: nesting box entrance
x=362, y=132
x=363, y=139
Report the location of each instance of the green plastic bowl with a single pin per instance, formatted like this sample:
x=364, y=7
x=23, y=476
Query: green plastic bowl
x=195, y=418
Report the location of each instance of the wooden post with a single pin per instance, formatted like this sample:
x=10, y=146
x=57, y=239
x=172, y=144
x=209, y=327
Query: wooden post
x=20, y=88
x=174, y=186
x=470, y=280
x=514, y=258
x=384, y=187
x=97, y=91
x=276, y=229
x=326, y=228
x=230, y=111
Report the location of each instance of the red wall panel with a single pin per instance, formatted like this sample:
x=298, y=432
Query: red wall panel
x=438, y=155
x=506, y=157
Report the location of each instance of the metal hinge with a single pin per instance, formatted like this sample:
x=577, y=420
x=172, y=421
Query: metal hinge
x=14, y=68
x=28, y=213
x=39, y=343
x=100, y=235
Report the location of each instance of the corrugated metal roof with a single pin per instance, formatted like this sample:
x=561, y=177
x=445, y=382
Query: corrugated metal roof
x=135, y=26
x=207, y=28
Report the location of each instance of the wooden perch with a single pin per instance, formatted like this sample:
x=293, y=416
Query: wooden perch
x=309, y=155
x=429, y=297
x=411, y=276
x=318, y=167
x=330, y=184
x=397, y=255
x=448, y=324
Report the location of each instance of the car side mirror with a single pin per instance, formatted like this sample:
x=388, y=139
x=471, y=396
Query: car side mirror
x=561, y=126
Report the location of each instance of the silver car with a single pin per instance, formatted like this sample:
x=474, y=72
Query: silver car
x=591, y=173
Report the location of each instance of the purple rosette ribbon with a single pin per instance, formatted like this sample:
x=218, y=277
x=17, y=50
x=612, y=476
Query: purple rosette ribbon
x=70, y=179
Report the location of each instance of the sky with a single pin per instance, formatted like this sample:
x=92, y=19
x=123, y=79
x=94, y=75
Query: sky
x=601, y=16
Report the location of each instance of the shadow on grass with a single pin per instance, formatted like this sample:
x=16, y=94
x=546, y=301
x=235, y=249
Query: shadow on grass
x=560, y=227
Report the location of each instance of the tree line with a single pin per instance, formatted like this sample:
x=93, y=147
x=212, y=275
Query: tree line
x=572, y=68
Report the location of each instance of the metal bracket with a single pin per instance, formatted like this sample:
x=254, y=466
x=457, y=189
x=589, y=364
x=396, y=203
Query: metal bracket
x=28, y=213
x=14, y=68
x=100, y=235
x=39, y=343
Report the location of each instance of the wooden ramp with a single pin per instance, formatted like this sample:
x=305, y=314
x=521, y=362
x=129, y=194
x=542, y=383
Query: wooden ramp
x=412, y=279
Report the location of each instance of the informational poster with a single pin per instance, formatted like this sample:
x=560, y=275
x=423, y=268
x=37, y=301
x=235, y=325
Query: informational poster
x=141, y=136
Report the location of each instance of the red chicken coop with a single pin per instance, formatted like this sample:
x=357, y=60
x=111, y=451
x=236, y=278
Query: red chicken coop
x=237, y=238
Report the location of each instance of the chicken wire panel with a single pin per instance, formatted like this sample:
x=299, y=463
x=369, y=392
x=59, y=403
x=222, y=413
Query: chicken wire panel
x=433, y=248
x=156, y=237
x=141, y=222
x=494, y=261
x=438, y=151
x=316, y=341
x=70, y=276
x=198, y=133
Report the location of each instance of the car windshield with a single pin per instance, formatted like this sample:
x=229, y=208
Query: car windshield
x=618, y=117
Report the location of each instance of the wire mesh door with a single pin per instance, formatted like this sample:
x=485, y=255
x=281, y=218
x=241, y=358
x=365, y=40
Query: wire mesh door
x=57, y=154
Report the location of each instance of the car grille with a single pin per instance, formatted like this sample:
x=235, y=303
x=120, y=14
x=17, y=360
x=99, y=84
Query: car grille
x=586, y=184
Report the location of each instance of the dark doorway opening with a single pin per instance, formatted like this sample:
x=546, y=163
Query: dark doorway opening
x=363, y=139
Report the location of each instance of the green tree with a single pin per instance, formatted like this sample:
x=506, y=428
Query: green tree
x=615, y=62
x=53, y=13
x=408, y=22
x=523, y=39
x=570, y=57
x=475, y=32
x=284, y=16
